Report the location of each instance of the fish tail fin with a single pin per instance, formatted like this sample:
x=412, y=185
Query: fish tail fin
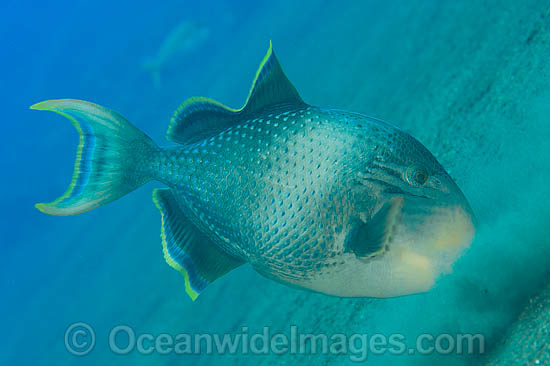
x=113, y=157
x=154, y=69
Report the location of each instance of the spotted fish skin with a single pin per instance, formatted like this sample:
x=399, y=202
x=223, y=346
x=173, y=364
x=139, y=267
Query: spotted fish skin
x=279, y=190
x=321, y=199
x=273, y=189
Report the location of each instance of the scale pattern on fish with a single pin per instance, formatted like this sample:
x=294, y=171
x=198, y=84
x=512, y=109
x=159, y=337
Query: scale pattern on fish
x=315, y=198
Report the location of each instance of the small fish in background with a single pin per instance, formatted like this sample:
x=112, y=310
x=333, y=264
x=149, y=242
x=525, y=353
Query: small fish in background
x=182, y=39
x=320, y=199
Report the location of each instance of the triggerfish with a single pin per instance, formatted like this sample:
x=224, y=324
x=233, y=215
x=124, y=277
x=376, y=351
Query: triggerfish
x=315, y=198
x=184, y=38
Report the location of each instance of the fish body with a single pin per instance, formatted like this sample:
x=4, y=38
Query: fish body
x=183, y=38
x=321, y=199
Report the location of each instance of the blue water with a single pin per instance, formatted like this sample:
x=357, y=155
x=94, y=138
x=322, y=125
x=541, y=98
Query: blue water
x=470, y=80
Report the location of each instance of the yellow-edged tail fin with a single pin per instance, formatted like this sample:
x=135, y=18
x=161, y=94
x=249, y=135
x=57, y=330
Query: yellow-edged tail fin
x=112, y=157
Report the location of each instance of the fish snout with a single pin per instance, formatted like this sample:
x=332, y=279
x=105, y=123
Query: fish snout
x=442, y=227
x=452, y=195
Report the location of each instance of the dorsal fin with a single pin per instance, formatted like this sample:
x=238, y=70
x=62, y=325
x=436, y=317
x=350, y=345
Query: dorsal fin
x=198, y=117
x=271, y=86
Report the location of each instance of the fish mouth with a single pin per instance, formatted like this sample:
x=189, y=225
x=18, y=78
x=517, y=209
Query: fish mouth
x=447, y=194
x=427, y=198
x=436, y=230
x=454, y=197
x=436, y=223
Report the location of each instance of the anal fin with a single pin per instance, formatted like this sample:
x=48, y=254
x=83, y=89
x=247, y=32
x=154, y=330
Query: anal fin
x=187, y=249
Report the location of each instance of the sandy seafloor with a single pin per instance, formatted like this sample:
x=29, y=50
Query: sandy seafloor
x=470, y=79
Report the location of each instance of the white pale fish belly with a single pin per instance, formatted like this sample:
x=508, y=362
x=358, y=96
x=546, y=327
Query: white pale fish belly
x=423, y=248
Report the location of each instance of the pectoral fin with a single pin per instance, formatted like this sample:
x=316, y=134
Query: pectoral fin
x=370, y=239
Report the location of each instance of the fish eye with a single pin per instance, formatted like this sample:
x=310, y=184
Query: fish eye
x=416, y=176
